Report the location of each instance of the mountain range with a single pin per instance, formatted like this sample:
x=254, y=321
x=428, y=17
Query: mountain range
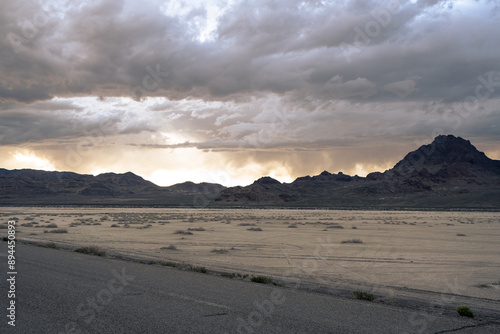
x=448, y=173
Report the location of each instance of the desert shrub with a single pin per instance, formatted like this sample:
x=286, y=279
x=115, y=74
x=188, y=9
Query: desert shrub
x=460, y=235
x=115, y=225
x=91, y=250
x=51, y=225
x=59, y=230
x=171, y=247
x=292, y=226
x=335, y=226
x=4, y=227
x=464, y=311
x=254, y=229
x=263, y=280
x=228, y=275
x=197, y=229
x=27, y=225
x=49, y=245
x=247, y=224
x=97, y=224
x=202, y=270
x=183, y=232
x=352, y=241
x=364, y=295
x=144, y=227
x=219, y=250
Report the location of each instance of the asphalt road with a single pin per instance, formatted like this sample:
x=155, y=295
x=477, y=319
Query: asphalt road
x=65, y=292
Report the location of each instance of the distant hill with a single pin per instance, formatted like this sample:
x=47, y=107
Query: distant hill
x=448, y=173
x=29, y=186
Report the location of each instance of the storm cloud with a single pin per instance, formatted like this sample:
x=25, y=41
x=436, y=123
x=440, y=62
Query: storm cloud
x=298, y=86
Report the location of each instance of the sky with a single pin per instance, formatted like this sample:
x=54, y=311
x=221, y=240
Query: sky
x=230, y=91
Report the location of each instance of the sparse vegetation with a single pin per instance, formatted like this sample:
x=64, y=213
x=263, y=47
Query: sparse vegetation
x=254, y=229
x=91, y=250
x=59, y=230
x=247, y=224
x=171, y=247
x=263, y=280
x=461, y=235
x=335, y=226
x=464, y=311
x=202, y=270
x=352, y=241
x=196, y=229
x=115, y=225
x=49, y=245
x=183, y=232
x=51, y=225
x=292, y=226
x=227, y=275
x=364, y=295
x=144, y=227
x=219, y=250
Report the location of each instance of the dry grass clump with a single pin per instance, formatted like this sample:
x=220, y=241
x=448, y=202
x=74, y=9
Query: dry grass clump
x=144, y=227
x=364, y=295
x=196, y=229
x=91, y=250
x=59, y=230
x=335, y=226
x=49, y=245
x=352, y=241
x=183, y=232
x=171, y=247
x=219, y=250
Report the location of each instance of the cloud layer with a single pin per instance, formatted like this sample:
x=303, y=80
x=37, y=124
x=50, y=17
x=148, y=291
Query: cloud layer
x=288, y=87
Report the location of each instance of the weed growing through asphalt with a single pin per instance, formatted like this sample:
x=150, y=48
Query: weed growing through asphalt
x=364, y=295
x=464, y=311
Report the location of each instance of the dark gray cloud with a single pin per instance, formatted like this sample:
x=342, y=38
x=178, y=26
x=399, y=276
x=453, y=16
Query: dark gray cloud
x=299, y=85
x=353, y=50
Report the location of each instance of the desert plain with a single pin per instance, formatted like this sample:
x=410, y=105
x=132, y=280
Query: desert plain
x=446, y=256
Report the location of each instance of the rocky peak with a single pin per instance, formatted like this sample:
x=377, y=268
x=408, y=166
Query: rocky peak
x=267, y=180
x=443, y=152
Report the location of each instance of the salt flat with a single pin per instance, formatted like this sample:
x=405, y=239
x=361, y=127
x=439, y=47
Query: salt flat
x=394, y=252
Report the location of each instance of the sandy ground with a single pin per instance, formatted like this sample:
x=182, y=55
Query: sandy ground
x=445, y=252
